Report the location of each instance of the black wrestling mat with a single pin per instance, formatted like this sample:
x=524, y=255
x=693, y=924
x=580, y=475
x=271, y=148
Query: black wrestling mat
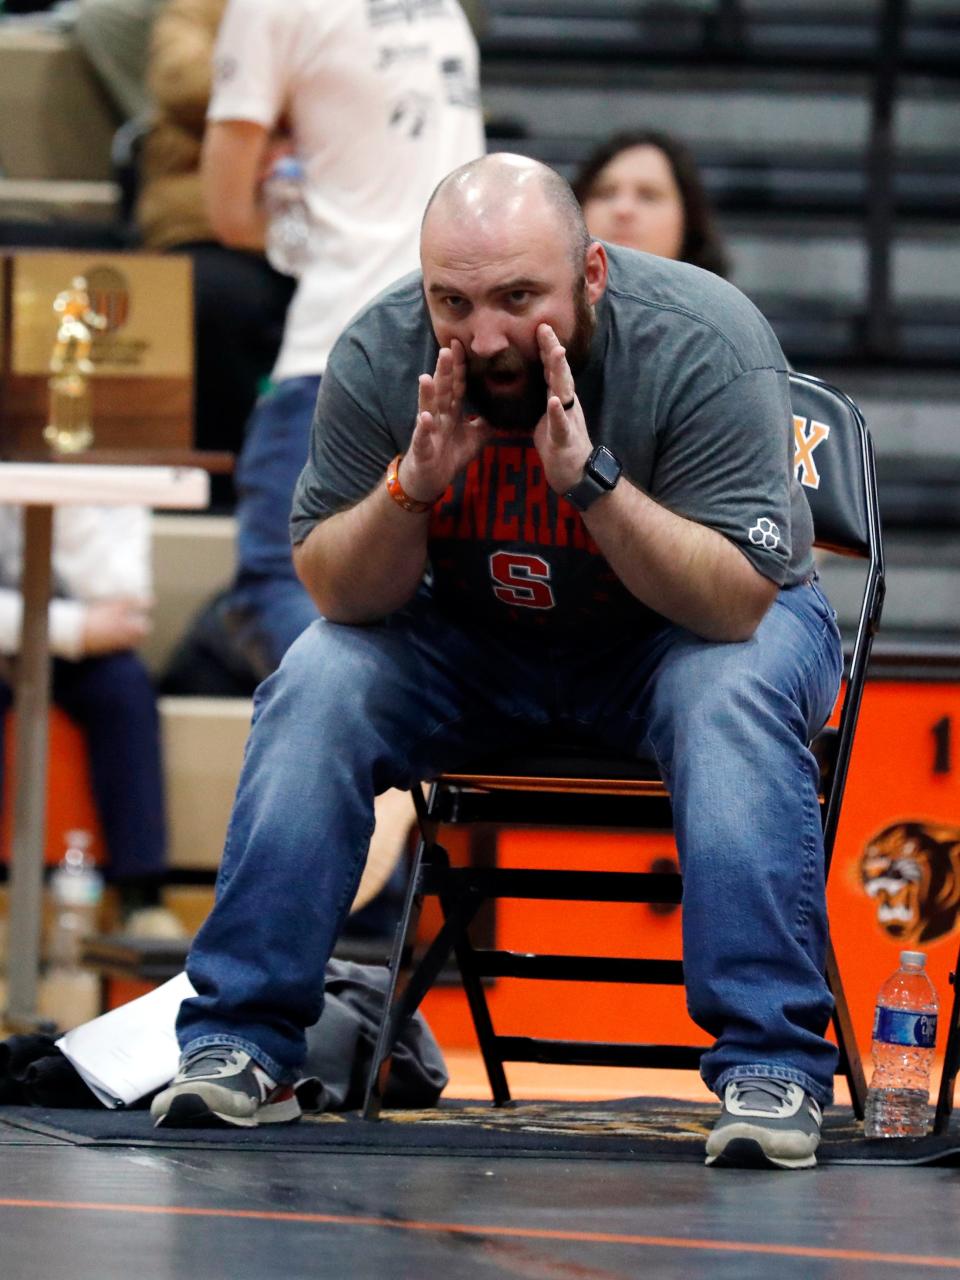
x=658, y=1129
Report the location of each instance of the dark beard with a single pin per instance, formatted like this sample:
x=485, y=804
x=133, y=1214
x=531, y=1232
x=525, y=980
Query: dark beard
x=516, y=413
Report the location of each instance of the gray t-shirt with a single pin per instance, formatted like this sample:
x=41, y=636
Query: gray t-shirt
x=686, y=383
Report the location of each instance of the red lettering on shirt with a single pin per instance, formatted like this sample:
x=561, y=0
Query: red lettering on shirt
x=503, y=496
x=441, y=517
x=476, y=497
x=536, y=527
x=509, y=471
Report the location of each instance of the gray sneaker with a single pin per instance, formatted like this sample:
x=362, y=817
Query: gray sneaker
x=766, y=1122
x=221, y=1085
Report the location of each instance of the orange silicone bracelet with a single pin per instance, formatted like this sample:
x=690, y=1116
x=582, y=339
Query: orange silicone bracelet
x=395, y=490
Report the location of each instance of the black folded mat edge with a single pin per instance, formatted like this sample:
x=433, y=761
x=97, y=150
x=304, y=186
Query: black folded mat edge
x=642, y=1129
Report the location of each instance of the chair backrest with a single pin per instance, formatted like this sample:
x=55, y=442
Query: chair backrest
x=834, y=461
x=833, y=457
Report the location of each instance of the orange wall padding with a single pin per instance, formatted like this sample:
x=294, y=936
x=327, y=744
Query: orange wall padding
x=892, y=780
x=69, y=797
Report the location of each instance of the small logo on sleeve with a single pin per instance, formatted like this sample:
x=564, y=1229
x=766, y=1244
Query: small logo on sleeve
x=224, y=70
x=765, y=534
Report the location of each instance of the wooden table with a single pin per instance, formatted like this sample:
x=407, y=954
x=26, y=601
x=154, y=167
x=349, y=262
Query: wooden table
x=39, y=487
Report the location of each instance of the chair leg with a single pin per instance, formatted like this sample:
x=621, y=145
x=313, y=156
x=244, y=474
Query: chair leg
x=407, y=985
x=479, y=1009
x=382, y=1054
x=407, y=988
x=951, y=1061
x=850, y=1059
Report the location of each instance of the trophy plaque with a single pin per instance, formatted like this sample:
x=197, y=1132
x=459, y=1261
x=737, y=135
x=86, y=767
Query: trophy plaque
x=96, y=355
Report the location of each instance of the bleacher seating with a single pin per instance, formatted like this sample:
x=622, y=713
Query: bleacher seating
x=809, y=124
x=203, y=738
x=765, y=33
x=56, y=127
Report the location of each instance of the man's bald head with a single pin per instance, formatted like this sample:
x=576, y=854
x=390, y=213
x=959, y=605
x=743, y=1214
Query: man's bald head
x=503, y=187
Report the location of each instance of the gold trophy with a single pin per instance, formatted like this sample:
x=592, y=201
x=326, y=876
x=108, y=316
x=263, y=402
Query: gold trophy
x=68, y=430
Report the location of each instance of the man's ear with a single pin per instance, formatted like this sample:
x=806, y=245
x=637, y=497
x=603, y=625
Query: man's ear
x=595, y=271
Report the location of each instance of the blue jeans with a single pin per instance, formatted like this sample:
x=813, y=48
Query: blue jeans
x=355, y=710
x=112, y=699
x=274, y=450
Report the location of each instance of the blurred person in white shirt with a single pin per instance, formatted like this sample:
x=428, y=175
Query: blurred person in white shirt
x=99, y=615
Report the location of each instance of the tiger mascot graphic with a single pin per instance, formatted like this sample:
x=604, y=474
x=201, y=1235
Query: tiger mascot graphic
x=911, y=870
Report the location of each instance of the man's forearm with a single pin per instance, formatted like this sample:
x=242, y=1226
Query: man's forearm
x=361, y=564
x=684, y=570
x=230, y=173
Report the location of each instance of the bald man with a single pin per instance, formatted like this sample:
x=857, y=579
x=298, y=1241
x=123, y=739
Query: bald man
x=550, y=490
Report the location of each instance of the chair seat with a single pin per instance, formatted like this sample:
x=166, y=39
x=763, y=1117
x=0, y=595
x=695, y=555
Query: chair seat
x=561, y=770
x=565, y=767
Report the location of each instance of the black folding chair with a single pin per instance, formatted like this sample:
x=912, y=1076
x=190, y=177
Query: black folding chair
x=577, y=788
x=951, y=1057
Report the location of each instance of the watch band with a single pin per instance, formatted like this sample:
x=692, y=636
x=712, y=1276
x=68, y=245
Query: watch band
x=395, y=490
x=601, y=471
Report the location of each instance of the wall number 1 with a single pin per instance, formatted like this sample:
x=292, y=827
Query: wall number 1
x=941, y=745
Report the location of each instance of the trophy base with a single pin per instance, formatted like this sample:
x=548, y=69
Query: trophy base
x=68, y=440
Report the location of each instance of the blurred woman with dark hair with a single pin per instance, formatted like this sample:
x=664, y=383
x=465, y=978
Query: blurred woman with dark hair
x=642, y=189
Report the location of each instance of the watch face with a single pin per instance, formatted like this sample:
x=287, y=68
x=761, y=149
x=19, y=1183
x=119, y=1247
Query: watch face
x=605, y=467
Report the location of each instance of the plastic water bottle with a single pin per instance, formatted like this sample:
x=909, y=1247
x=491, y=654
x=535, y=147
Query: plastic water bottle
x=904, y=1035
x=76, y=888
x=288, y=217
x=69, y=993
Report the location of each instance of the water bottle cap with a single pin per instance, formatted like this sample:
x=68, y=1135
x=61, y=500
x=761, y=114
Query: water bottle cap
x=917, y=958
x=289, y=167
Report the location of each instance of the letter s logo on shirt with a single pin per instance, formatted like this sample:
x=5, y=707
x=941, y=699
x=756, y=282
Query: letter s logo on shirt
x=521, y=580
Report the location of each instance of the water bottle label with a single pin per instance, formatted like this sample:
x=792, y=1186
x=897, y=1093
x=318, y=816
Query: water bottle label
x=899, y=1026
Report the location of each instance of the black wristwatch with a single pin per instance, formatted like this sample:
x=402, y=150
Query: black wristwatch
x=601, y=471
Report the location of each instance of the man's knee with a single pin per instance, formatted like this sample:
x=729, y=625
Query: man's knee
x=720, y=711
x=702, y=683
x=332, y=669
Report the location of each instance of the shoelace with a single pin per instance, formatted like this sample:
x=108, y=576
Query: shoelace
x=224, y=1057
x=773, y=1093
